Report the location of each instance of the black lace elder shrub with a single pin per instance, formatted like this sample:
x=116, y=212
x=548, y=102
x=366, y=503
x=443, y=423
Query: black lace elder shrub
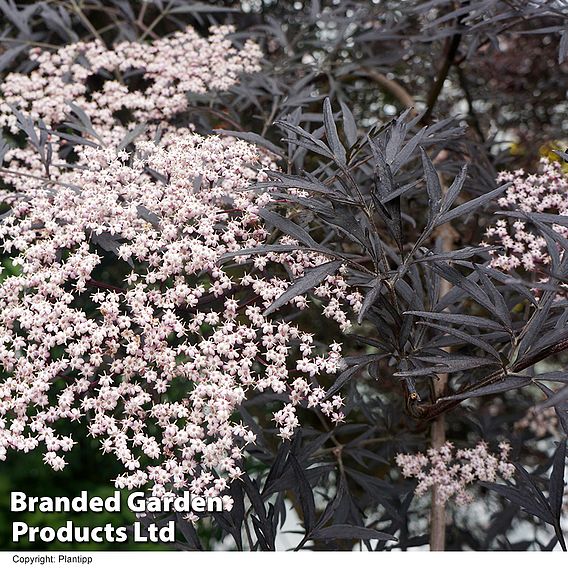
x=447, y=347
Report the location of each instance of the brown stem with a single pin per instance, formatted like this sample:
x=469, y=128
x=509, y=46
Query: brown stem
x=452, y=46
x=438, y=509
x=447, y=236
x=141, y=14
x=442, y=406
x=470, y=104
x=86, y=22
x=157, y=20
x=394, y=88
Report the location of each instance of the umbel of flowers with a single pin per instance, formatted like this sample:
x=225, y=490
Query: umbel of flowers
x=150, y=80
x=159, y=362
x=453, y=471
x=118, y=89
x=158, y=357
x=543, y=192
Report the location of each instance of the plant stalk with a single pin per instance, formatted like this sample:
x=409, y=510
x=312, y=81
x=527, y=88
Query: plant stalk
x=447, y=236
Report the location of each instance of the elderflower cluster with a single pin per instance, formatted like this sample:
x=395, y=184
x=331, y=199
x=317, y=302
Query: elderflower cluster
x=541, y=422
x=545, y=192
x=121, y=309
x=157, y=357
x=117, y=89
x=147, y=80
x=453, y=471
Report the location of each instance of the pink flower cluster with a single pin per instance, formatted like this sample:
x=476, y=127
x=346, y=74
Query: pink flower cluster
x=131, y=84
x=545, y=192
x=158, y=357
x=541, y=422
x=453, y=471
x=150, y=80
x=158, y=363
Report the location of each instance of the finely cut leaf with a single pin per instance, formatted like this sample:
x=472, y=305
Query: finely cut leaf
x=432, y=184
x=349, y=126
x=504, y=385
x=331, y=132
x=474, y=321
x=288, y=227
x=556, y=484
x=470, y=206
x=253, y=138
x=302, y=285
